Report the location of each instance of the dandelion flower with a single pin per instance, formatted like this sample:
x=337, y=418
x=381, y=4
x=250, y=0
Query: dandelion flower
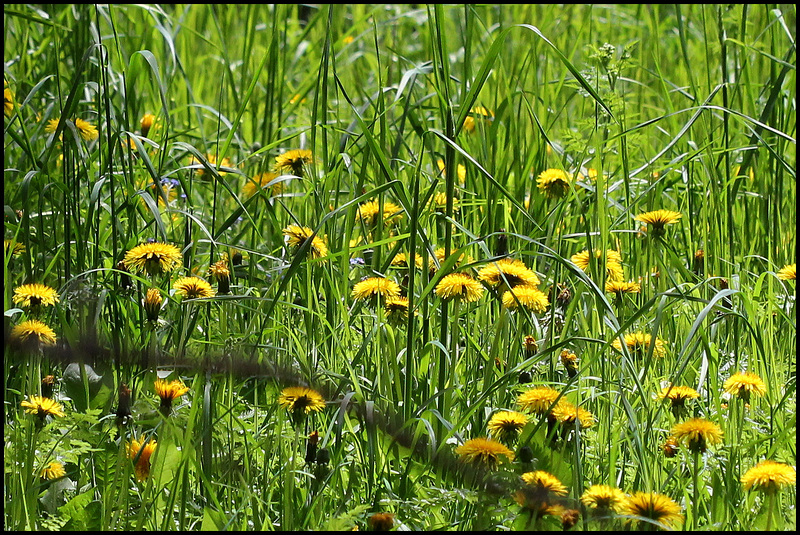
x=658, y=219
x=380, y=521
x=744, y=384
x=293, y=161
x=554, y=183
x=670, y=447
x=169, y=391
x=697, y=434
x=193, y=288
x=42, y=407
x=153, y=258
x=544, y=481
x=53, y=470
x=13, y=248
x=639, y=343
x=477, y=113
x=613, y=262
x=508, y=273
x=461, y=170
x=374, y=287
x=370, y=213
x=570, y=361
x=87, y=130
x=152, y=304
x=484, y=452
x=459, y=286
x=538, y=400
x=35, y=295
x=199, y=167
x=300, y=400
x=528, y=297
x=788, y=272
x=8, y=101
x=140, y=451
x=653, y=506
x=678, y=395
x=261, y=181
x=506, y=426
x=32, y=334
x=619, y=288
x=603, y=498
x=296, y=237
x=568, y=415
x=396, y=309
x=769, y=476
x=146, y=123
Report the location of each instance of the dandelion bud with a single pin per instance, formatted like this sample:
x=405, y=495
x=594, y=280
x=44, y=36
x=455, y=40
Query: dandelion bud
x=152, y=304
x=147, y=121
x=47, y=386
x=123, y=411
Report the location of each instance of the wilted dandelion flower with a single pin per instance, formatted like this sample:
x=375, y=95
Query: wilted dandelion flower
x=32, y=334
x=529, y=345
x=152, y=304
x=380, y=521
x=296, y=236
x=477, y=113
x=788, y=272
x=603, y=499
x=169, y=391
x=484, y=452
x=652, y=506
x=570, y=361
x=697, y=434
x=53, y=470
x=375, y=287
x=153, y=258
x=459, y=286
x=658, y=219
x=301, y=400
x=769, y=476
x=42, y=407
x=528, y=297
x=538, y=400
x=613, y=262
x=221, y=273
x=508, y=273
x=35, y=295
x=670, y=447
x=140, y=451
x=506, y=426
x=545, y=481
x=293, y=161
x=639, y=343
x=554, y=183
x=744, y=384
x=370, y=213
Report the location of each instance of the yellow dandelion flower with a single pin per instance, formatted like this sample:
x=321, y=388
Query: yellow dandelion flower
x=296, y=236
x=374, y=287
x=13, y=248
x=169, y=391
x=538, y=400
x=459, y=286
x=461, y=171
x=658, y=219
x=619, y=288
x=553, y=183
x=769, y=476
x=678, y=395
x=153, y=258
x=545, y=481
x=508, y=273
x=744, y=384
x=35, y=295
x=477, y=113
x=193, y=288
x=570, y=361
x=87, y=130
x=483, y=452
x=396, y=309
x=528, y=297
x=652, y=506
x=613, y=262
x=439, y=202
x=294, y=162
x=140, y=451
x=42, y=407
x=537, y=503
x=220, y=272
x=301, y=400
x=53, y=470
x=697, y=434
x=152, y=304
x=788, y=272
x=506, y=426
x=370, y=213
x=639, y=343
x=8, y=101
x=146, y=123
x=568, y=415
x=603, y=498
x=32, y=334
x=261, y=181
x=200, y=170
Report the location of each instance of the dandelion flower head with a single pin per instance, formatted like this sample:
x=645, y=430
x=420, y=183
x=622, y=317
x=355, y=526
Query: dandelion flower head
x=293, y=161
x=553, y=183
x=153, y=258
x=373, y=287
x=788, y=272
x=603, y=498
x=140, y=451
x=42, y=407
x=508, y=273
x=296, y=237
x=697, y=434
x=544, y=481
x=484, y=452
x=507, y=425
x=53, y=470
x=35, y=295
x=32, y=333
x=769, y=476
x=653, y=506
x=528, y=297
x=301, y=400
x=538, y=400
x=459, y=286
x=193, y=288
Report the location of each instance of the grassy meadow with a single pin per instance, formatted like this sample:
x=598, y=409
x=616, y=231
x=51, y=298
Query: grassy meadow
x=400, y=267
